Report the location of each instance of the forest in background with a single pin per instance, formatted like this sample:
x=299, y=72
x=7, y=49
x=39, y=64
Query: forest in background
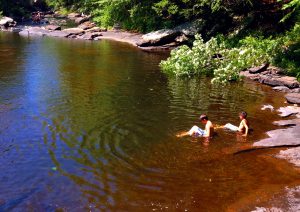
x=263, y=30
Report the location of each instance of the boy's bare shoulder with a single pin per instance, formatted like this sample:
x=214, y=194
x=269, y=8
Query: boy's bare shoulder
x=245, y=121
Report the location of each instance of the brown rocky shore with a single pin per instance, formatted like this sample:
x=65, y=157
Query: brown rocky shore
x=274, y=77
x=287, y=136
x=54, y=25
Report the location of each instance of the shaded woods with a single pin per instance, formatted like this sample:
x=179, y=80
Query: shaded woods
x=264, y=31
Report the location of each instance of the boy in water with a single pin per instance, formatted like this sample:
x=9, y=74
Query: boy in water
x=196, y=131
x=244, y=125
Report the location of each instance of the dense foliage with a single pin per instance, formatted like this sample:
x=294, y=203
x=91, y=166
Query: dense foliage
x=210, y=54
x=218, y=58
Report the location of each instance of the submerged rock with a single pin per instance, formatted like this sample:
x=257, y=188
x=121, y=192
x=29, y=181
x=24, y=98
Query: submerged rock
x=284, y=137
x=57, y=33
x=293, y=98
x=34, y=31
x=282, y=89
x=292, y=155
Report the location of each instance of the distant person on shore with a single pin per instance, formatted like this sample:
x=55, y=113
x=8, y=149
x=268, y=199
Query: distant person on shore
x=244, y=125
x=197, y=131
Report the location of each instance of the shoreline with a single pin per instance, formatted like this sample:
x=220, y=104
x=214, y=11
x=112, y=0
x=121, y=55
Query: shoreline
x=92, y=34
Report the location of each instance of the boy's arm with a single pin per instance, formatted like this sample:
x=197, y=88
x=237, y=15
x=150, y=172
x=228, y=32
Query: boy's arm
x=246, y=128
x=207, y=130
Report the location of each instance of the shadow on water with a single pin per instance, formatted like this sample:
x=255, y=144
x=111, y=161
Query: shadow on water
x=92, y=126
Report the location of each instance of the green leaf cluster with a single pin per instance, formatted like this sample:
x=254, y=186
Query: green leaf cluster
x=217, y=59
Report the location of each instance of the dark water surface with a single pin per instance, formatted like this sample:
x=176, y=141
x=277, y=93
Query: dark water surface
x=91, y=125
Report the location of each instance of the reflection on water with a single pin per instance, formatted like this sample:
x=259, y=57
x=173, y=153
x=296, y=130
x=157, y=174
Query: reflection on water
x=91, y=125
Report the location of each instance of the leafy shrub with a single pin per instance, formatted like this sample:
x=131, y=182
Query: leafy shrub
x=216, y=59
x=289, y=58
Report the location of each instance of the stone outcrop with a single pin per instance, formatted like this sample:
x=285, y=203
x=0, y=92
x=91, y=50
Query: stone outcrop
x=273, y=76
x=287, y=136
x=159, y=37
x=172, y=37
x=293, y=98
x=6, y=22
x=274, y=80
x=292, y=155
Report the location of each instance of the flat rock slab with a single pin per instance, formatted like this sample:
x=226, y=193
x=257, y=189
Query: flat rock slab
x=292, y=155
x=59, y=34
x=34, y=31
x=290, y=82
x=282, y=89
x=289, y=110
x=74, y=31
x=283, y=137
x=293, y=98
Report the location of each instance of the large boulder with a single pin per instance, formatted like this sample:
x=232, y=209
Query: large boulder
x=293, y=98
x=177, y=35
x=7, y=22
x=190, y=29
x=159, y=37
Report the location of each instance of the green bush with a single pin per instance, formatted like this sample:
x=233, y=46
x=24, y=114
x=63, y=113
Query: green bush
x=214, y=58
x=289, y=57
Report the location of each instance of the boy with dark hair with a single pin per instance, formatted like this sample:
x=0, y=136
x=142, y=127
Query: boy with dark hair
x=197, y=131
x=244, y=125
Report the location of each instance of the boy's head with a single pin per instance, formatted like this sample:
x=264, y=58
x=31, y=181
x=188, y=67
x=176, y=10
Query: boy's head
x=243, y=115
x=203, y=118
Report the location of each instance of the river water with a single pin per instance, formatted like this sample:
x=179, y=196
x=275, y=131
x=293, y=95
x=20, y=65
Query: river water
x=91, y=126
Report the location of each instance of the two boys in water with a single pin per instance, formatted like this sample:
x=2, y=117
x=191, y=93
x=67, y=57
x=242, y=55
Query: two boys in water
x=209, y=127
